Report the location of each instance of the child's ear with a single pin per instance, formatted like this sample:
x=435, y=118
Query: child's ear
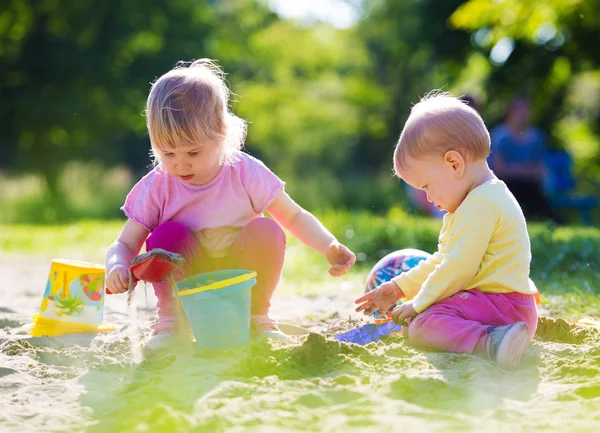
x=455, y=161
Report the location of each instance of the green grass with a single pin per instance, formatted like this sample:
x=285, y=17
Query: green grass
x=565, y=263
x=86, y=191
x=563, y=258
x=83, y=240
x=305, y=271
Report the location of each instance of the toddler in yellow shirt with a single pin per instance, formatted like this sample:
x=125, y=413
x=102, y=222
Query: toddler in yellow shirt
x=474, y=295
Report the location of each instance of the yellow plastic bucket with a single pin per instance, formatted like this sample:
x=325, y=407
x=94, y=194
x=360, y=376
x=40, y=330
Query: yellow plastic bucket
x=73, y=300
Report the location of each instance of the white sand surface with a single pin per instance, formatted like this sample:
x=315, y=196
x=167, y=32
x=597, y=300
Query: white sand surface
x=81, y=382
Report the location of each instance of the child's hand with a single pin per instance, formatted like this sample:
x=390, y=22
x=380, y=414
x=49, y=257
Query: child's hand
x=382, y=298
x=117, y=280
x=341, y=259
x=403, y=312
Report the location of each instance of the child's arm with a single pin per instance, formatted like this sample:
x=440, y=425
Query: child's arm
x=446, y=272
x=121, y=253
x=411, y=282
x=468, y=240
x=309, y=230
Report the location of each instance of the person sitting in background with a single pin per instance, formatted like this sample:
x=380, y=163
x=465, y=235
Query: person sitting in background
x=518, y=152
x=560, y=185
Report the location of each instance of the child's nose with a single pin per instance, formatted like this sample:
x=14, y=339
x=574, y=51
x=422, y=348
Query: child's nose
x=182, y=163
x=429, y=198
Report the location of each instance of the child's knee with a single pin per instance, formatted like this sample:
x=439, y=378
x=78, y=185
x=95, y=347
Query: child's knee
x=266, y=229
x=168, y=236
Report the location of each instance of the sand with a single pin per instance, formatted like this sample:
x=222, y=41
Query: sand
x=76, y=383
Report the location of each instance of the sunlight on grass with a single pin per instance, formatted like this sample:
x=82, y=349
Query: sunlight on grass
x=84, y=240
x=305, y=271
x=565, y=260
x=571, y=297
x=87, y=191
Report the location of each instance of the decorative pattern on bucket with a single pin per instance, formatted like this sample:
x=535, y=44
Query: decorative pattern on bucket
x=217, y=306
x=73, y=300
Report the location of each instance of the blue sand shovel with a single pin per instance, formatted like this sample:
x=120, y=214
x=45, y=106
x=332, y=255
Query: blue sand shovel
x=368, y=333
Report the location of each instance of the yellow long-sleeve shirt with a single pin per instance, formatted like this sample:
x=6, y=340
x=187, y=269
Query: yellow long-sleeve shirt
x=483, y=245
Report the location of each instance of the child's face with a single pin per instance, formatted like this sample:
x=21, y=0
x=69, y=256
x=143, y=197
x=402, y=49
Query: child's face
x=438, y=179
x=195, y=164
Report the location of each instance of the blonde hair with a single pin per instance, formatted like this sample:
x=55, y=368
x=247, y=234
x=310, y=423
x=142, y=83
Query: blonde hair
x=188, y=105
x=439, y=123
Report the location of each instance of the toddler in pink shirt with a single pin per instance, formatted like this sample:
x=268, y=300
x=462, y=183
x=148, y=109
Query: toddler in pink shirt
x=205, y=200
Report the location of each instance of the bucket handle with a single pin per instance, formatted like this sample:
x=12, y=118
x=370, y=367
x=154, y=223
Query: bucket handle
x=219, y=284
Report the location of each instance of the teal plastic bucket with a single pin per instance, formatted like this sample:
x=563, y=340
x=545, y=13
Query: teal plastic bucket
x=217, y=306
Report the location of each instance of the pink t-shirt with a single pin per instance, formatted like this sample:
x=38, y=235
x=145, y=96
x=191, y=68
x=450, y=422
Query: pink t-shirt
x=215, y=212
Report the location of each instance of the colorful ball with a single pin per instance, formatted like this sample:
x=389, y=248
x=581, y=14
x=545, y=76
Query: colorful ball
x=391, y=266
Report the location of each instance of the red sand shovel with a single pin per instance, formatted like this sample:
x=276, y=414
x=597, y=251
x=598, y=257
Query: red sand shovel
x=152, y=267
x=155, y=266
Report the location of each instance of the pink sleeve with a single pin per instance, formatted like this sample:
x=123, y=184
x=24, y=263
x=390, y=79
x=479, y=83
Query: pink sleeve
x=142, y=204
x=262, y=186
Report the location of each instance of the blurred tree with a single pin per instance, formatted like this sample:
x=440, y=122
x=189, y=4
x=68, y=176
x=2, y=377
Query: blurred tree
x=306, y=93
x=74, y=75
x=325, y=105
x=548, y=51
x=413, y=51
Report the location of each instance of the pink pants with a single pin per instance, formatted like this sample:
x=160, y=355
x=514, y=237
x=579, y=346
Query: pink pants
x=460, y=322
x=260, y=247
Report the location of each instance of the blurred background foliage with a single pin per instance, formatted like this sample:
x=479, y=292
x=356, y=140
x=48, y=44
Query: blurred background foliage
x=325, y=103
